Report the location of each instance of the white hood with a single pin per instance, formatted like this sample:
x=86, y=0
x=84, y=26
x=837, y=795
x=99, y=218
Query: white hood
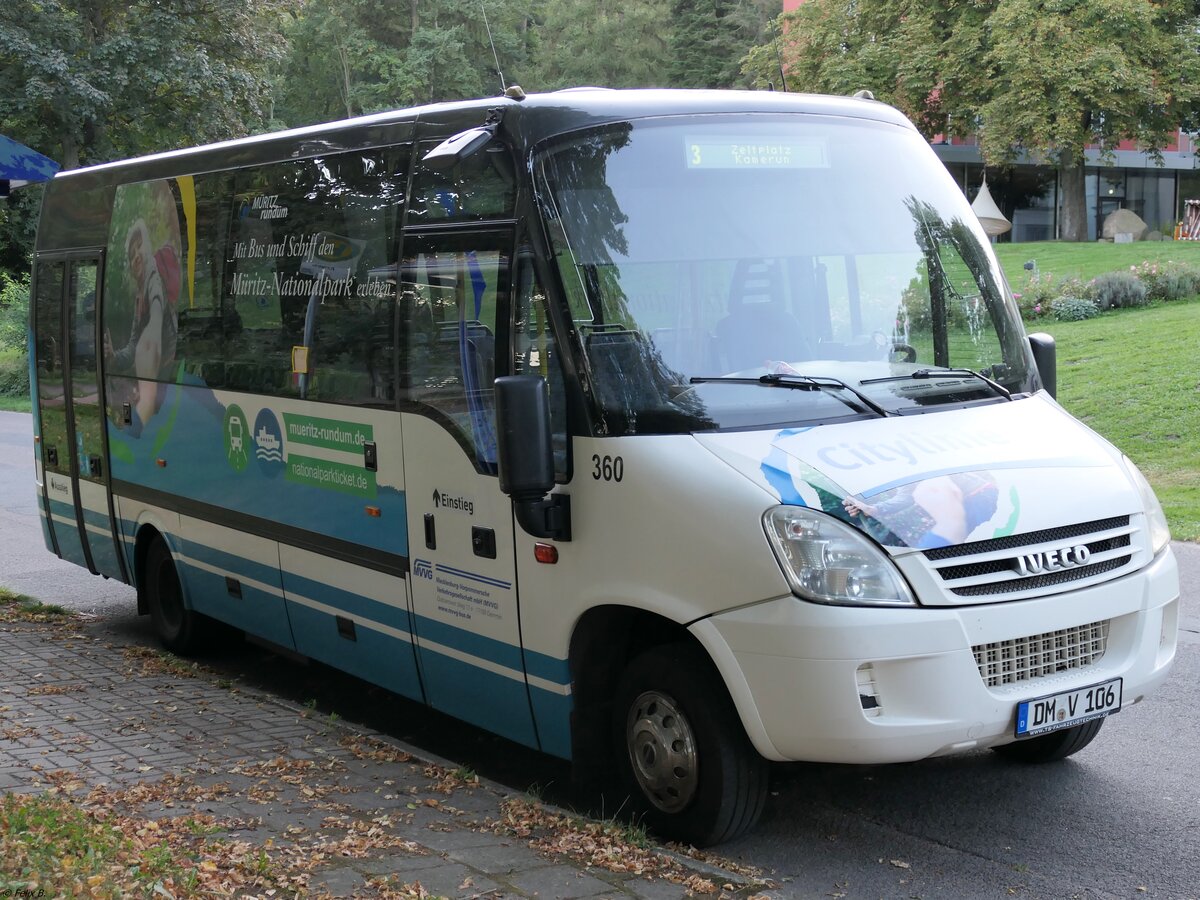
x=941, y=478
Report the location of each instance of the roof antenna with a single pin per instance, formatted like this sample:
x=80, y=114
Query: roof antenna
x=483, y=9
x=779, y=57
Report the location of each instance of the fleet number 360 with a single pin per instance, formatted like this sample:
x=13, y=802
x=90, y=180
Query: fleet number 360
x=607, y=468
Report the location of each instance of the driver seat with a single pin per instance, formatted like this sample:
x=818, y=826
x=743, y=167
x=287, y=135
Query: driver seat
x=759, y=329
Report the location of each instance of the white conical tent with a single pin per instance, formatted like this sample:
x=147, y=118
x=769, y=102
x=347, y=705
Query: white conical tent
x=988, y=213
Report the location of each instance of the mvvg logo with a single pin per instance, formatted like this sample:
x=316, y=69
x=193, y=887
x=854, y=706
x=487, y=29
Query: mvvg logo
x=423, y=568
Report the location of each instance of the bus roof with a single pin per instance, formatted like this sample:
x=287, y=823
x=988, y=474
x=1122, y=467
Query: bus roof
x=530, y=119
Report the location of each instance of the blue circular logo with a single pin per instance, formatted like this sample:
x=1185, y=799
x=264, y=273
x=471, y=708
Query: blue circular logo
x=268, y=443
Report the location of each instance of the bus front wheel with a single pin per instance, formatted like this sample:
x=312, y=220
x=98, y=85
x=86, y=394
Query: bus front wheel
x=690, y=772
x=179, y=629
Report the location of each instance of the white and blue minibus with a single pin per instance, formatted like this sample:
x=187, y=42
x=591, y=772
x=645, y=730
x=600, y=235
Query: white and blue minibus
x=668, y=432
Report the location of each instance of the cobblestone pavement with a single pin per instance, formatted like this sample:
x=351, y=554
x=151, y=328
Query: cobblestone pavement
x=79, y=708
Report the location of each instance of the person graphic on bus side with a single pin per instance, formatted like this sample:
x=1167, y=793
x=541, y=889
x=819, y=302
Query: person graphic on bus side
x=150, y=351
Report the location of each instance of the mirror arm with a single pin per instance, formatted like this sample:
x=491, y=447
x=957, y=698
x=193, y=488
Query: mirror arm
x=548, y=517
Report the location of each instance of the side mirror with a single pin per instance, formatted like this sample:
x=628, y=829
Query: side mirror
x=1045, y=357
x=458, y=147
x=526, y=456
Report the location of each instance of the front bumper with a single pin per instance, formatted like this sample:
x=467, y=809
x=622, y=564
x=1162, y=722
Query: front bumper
x=798, y=671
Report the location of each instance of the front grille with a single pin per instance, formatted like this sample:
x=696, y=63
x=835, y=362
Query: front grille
x=1012, y=541
x=973, y=570
x=1032, y=564
x=1039, y=655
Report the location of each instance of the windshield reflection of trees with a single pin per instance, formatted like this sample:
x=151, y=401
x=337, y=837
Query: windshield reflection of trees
x=635, y=390
x=934, y=235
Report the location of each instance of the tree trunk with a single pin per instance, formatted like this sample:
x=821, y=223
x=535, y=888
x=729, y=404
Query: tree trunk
x=1073, y=224
x=70, y=150
x=346, y=86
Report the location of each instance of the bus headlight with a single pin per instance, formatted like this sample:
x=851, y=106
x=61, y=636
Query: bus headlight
x=830, y=562
x=1156, y=520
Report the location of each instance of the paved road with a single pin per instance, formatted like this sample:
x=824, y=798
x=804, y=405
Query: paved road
x=25, y=564
x=1121, y=819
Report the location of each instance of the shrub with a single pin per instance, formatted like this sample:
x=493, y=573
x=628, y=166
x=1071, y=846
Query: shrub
x=14, y=373
x=1035, y=299
x=14, y=312
x=1073, y=309
x=14, y=321
x=1117, y=290
x=1168, y=280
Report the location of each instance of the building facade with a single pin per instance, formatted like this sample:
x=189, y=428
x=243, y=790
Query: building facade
x=1029, y=194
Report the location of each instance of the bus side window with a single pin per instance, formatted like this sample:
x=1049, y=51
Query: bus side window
x=449, y=289
x=47, y=307
x=201, y=326
x=536, y=352
x=311, y=264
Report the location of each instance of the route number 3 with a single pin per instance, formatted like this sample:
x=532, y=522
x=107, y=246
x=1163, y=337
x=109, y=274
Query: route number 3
x=607, y=468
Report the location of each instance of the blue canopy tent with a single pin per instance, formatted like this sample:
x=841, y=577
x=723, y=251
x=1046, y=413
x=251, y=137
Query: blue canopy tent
x=20, y=166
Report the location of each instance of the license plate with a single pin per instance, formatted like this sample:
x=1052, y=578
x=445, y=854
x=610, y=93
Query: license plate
x=1068, y=708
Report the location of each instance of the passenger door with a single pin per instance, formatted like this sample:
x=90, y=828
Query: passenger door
x=463, y=586
x=74, y=448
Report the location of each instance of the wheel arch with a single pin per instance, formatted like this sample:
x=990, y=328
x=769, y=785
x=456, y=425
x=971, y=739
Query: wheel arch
x=604, y=641
x=147, y=533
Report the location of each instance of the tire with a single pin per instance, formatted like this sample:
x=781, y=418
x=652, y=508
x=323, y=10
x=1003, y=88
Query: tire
x=686, y=765
x=179, y=629
x=1052, y=747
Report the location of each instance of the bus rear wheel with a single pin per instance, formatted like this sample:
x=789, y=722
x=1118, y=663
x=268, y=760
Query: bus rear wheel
x=688, y=768
x=179, y=629
x=1053, y=746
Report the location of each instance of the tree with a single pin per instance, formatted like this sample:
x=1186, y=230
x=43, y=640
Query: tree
x=1094, y=72
x=86, y=81
x=708, y=39
x=1047, y=77
x=90, y=80
x=345, y=58
x=605, y=43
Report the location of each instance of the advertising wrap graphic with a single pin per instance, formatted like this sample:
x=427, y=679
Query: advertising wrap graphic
x=941, y=479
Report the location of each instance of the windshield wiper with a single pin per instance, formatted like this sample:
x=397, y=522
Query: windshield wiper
x=823, y=383
x=939, y=373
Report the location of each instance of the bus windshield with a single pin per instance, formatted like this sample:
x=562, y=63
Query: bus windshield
x=706, y=260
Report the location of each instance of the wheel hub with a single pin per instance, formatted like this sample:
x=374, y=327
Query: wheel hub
x=662, y=750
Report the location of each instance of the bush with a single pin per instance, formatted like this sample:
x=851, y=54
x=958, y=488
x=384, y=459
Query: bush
x=14, y=373
x=1040, y=292
x=14, y=323
x=1073, y=309
x=14, y=312
x=1117, y=290
x=1168, y=280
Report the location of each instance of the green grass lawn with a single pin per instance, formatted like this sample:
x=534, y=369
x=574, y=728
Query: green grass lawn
x=1086, y=261
x=15, y=404
x=1134, y=376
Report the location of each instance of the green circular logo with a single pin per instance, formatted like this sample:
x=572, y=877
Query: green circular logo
x=237, y=437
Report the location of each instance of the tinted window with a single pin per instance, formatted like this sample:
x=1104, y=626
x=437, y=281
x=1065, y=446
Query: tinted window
x=449, y=290
x=51, y=356
x=312, y=270
x=482, y=186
